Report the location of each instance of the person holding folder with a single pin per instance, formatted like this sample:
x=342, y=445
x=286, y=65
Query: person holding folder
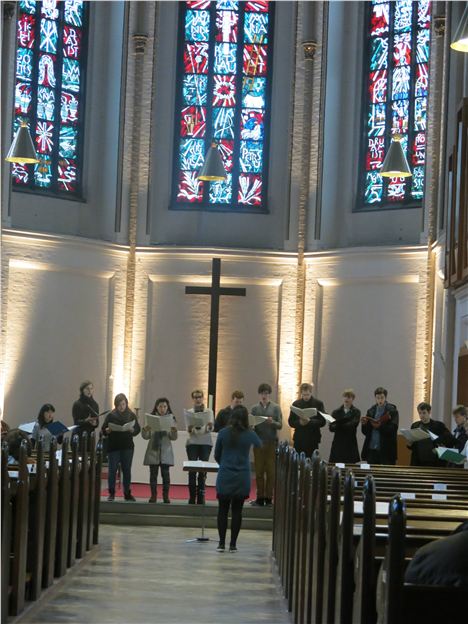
x=422, y=451
x=159, y=452
x=120, y=427
x=85, y=410
x=307, y=434
x=44, y=419
x=199, y=445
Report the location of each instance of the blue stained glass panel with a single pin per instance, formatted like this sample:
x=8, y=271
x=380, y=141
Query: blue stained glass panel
x=22, y=98
x=67, y=142
x=221, y=191
x=225, y=58
x=401, y=83
x=379, y=53
x=422, y=46
x=28, y=6
x=252, y=125
x=227, y=5
x=256, y=28
x=45, y=103
x=49, y=36
x=24, y=60
x=373, y=187
x=43, y=171
x=49, y=9
x=253, y=92
x=223, y=123
x=403, y=15
x=46, y=75
x=377, y=119
x=68, y=108
x=71, y=75
x=420, y=114
x=192, y=153
x=422, y=80
x=197, y=26
x=194, y=89
x=251, y=156
x=400, y=116
x=74, y=12
x=378, y=86
x=44, y=137
x=417, y=182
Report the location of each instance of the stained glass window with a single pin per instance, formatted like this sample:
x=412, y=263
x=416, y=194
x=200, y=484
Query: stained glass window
x=397, y=81
x=223, y=91
x=49, y=93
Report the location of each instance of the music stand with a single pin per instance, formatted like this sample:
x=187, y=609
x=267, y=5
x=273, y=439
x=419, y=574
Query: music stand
x=200, y=466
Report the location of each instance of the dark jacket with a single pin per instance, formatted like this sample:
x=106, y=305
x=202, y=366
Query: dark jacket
x=344, y=447
x=422, y=452
x=388, y=433
x=120, y=440
x=222, y=418
x=307, y=437
x=81, y=410
x=461, y=438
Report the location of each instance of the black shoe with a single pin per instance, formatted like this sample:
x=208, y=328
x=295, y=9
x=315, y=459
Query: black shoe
x=129, y=497
x=200, y=500
x=268, y=502
x=259, y=502
x=221, y=547
x=110, y=498
x=232, y=548
x=166, y=499
x=153, y=499
x=191, y=501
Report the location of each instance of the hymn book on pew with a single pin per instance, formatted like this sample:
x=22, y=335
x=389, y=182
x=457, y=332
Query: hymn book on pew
x=159, y=423
x=255, y=420
x=418, y=434
x=56, y=428
x=310, y=412
x=121, y=428
x=197, y=419
x=27, y=427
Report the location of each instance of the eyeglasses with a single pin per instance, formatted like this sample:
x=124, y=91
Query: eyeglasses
x=198, y=396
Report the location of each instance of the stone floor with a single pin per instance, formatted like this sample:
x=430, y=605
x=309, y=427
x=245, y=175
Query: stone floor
x=152, y=575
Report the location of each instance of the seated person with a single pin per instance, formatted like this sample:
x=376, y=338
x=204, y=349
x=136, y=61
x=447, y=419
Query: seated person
x=14, y=438
x=422, y=452
x=460, y=415
x=442, y=562
x=44, y=418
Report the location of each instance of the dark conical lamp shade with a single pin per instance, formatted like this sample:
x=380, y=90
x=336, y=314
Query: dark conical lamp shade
x=395, y=164
x=460, y=40
x=22, y=149
x=213, y=168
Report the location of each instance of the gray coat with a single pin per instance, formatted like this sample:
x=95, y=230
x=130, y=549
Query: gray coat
x=163, y=454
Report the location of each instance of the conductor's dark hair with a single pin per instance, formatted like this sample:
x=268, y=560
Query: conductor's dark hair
x=264, y=387
x=158, y=402
x=239, y=422
x=424, y=407
x=47, y=407
x=380, y=390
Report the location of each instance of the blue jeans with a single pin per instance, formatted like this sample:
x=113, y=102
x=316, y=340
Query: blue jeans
x=124, y=458
x=197, y=452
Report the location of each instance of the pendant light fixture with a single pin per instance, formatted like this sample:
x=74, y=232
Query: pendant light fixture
x=395, y=164
x=22, y=149
x=460, y=40
x=213, y=168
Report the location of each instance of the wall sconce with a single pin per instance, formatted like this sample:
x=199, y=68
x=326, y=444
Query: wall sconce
x=395, y=164
x=460, y=40
x=22, y=149
x=213, y=167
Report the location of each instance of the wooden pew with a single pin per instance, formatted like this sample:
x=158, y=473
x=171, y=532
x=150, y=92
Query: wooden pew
x=63, y=513
x=97, y=490
x=37, y=523
x=331, y=548
x=51, y=517
x=7, y=517
x=318, y=560
x=91, y=490
x=312, y=488
x=20, y=535
x=74, y=499
x=83, y=498
x=344, y=585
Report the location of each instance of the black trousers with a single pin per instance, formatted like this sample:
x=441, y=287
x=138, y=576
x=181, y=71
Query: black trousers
x=154, y=470
x=197, y=452
x=236, y=505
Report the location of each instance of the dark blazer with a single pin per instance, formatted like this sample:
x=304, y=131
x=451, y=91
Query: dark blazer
x=307, y=437
x=222, y=419
x=388, y=434
x=461, y=438
x=344, y=447
x=422, y=452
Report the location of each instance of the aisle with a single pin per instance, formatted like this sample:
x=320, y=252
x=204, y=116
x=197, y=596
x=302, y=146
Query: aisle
x=146, y=575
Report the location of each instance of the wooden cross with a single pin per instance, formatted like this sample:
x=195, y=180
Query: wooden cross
x=216, y=291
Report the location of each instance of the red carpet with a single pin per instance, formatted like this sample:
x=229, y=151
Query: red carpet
x=177, y=492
